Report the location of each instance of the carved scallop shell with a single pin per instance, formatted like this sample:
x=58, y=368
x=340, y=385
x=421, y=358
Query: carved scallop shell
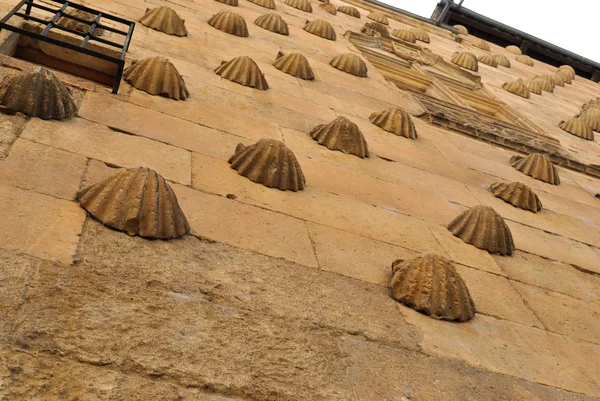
x=405, y=34
x=320, y=28
x=294, y=64
x=302, y=5
x=377, y=27
x=462, y=29
x=577, y=127
x=229, y=22
x=565, y=76
x=538, y=166
x=157, y=76
x=378, y=16
x=264, y=3
x=138, y=201
x=37, y=92
x=328, y=8
x=465, y=60
x=421, y=35
x=431, y=285
x=547, y=84
x=488, y=60
x=244, y=71
x=349, y=10
x=482, y=44
x=80, y=26
x=591, y=117
x=350, y=63
x=502, y=60
x=274, y=23
x=269, y=162
x=570, y=70
x=517, y=194
x=483, y=227
x=517, y=87
x=233, y=3
x=343, y=135
x=525, y=60
x=396, y=121
x=514, y=50
x=164, y=19
x=558, y=80
x=534, y=86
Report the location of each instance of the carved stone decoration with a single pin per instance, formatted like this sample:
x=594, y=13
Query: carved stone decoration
x=517, y=194
x=138, y=201
x=482, y=227
x=538, y=166
x=80, y=26
x=591, y=104
x=157, y=76
x=377, y=27
x=514, y=50
x=302, y=5
x=350, y=63
x=525, y=60
x=558, y=80
x=269, y=162
x=343, y=135
x=396, y=121
x=37, y=92
x=465, y=60
x=565, y=76
x=482, y=44
x=294, y=64
x=164, y=19
x=273, y=22
x=405, y=34
x=378, y=16
x=431, y=285
x=270, y=4
x=233, y=3
x=502, y=60
x=534, y=86
x=547, y=84
x=230, y=23
x=421, y=35
x=577, y=127
x=328, y=8
x=488, y=60
x=349, y=10
x=320, y=28
x=517, y=87
x=462, y=30
x=244, y=71
x=570, y=71
x=591, y=117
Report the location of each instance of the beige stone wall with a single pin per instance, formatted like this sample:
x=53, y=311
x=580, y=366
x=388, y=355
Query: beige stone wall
x=279, y=295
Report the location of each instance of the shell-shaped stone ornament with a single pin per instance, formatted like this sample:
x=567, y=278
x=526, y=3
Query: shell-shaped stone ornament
x=157, y=76
x=343, y=135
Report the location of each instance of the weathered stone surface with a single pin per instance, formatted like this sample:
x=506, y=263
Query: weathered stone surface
x=229, y=22
x=79, y=26
x=350, y=63
x=538, y=166
x=343, y=135
x=138, y=201
x=164, y=19
x=518, y=195
x=273, y=22
x=484, y=228
x=465, y=60
x=244, y=71
x=269, y=162
x=396, y=121
x=320, y=28
x=431, y=285
x=37, y=92
x=294, y=64
x=39, y=225
x=157, y=76
x=10, y=129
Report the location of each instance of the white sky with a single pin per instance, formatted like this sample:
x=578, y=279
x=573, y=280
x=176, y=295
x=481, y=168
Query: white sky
x=572, y=25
